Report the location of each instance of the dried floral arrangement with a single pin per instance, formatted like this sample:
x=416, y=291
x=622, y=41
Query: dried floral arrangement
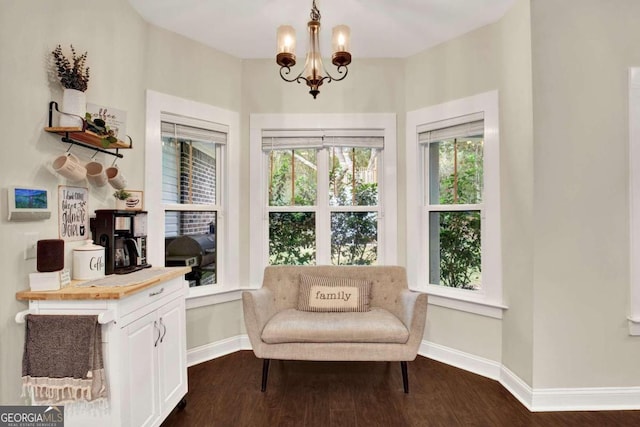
x=72, y=75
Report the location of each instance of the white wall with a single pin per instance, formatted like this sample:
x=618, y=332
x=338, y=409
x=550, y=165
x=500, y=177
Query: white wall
x=566, y=272
x=581, y=53
x=28, y=32
x=462, y=67
x=126, y=57
x=516, y=168
x=561, y=69
x=181, y=67
x=177, y=66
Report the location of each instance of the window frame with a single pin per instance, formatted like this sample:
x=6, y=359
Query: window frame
x=634, y=200
x=259, y=211
x=488, y=300
x=228, y=227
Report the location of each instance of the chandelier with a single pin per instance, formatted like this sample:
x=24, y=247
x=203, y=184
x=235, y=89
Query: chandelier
x=314, y=73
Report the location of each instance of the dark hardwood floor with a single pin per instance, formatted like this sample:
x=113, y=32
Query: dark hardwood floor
x=226, y=392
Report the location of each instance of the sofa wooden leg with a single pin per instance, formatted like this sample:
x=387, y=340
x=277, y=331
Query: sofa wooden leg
x=405, y=378
x=265, y=374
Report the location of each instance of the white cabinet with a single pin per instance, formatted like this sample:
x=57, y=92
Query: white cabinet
x=145, y=354
x=155, y=383
x=141, y=371
x=172, y=353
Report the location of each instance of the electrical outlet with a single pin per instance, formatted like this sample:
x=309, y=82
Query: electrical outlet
x=30, y=245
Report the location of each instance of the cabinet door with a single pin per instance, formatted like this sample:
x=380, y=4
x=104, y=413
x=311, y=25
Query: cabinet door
x=140, y=399
x=172, y=354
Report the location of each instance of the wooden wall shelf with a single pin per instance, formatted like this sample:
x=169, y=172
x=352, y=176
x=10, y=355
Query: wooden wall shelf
x=87, y=137
x=83, y=137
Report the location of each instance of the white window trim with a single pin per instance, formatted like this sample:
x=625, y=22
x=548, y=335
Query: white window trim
x=488, y=301
x=229, y=253
x=259, y=231
x=634, y=199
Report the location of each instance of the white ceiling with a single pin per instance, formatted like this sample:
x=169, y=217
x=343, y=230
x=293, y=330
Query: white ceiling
x=379, y=28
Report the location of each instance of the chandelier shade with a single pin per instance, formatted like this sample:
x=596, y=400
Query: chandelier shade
x=313, y=73
x=286, y=39
x=340, y=39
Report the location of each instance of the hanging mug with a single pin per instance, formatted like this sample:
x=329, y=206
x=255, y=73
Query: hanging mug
x=96, y=174
x=115, y=178
x=69, y=166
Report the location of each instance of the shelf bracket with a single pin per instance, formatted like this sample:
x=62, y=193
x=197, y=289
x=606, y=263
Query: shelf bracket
x=54, y=105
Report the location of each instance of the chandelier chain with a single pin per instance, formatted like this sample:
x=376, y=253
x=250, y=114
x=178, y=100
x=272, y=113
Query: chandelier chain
x=315, y=12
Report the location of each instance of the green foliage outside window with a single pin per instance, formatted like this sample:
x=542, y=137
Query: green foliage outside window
x=293, y=178
x=292, y=235
x=460, y=241
x=460, y=256
x=352, y=182
x=354, y=235
x=292, y=238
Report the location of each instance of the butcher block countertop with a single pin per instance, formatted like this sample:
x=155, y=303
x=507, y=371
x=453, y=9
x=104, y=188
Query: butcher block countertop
x=117, y=286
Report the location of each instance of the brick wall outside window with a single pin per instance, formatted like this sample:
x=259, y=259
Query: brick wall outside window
x=203, y=187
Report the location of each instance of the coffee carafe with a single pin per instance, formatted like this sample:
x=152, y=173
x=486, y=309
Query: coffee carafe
x=124, y=237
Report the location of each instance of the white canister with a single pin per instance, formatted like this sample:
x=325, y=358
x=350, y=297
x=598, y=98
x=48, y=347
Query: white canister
x=88, y=261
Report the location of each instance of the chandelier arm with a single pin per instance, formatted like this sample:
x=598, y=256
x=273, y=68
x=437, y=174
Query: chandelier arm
x=340, y=68
x=284, y=71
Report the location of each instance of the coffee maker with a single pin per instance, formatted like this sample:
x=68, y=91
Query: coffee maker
x=124, y=237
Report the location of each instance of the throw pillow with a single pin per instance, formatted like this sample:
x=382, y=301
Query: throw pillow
x=333, y=294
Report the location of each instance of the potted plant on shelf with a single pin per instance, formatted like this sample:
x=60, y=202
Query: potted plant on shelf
x=121, y=199
x=74, y=77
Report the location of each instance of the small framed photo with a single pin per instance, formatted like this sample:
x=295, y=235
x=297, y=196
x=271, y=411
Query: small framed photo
x=134, y=202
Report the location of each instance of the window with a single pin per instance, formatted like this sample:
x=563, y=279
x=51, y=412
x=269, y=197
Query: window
x=452, y=164
x=192, y=151
x=323, y=191
x=353, y=200
x=339, y=198
x=453, y=204
x=191, y=194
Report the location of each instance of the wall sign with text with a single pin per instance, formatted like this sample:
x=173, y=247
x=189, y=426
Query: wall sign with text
x=73, y=213
x=115, y=120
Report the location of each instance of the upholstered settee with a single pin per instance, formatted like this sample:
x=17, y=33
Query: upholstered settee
x=386, y=324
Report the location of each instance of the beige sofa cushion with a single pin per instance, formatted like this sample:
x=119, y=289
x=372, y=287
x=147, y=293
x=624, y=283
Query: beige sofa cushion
x=375, y=326
x=333, y=294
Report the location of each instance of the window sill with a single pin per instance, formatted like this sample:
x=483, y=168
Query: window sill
x=634, y=326
x=463, y=301
x=199, y=297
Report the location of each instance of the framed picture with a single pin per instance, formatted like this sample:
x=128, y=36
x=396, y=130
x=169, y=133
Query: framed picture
x=73, y=213
x=132, y=203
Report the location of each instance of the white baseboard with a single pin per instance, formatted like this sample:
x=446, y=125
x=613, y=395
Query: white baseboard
x=535, y=400
x=217, y=349
x=586, y=399
x=517, y=387
x=459, y=359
